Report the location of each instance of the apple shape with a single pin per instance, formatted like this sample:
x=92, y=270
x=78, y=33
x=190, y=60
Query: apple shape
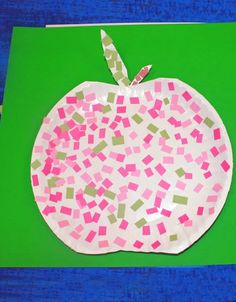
x=136, y=167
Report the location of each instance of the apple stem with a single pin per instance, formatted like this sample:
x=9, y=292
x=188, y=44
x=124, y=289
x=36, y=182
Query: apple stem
x=141, y=75
x=117, y=66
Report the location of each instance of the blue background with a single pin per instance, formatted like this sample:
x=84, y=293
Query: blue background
x=209, y=283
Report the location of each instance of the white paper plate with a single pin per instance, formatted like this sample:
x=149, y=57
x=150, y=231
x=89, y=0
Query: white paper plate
x=148, y=171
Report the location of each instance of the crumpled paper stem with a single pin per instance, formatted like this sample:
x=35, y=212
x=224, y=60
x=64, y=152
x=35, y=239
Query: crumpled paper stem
x=117, y=66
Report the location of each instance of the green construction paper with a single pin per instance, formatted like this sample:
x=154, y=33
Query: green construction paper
x=44, y=65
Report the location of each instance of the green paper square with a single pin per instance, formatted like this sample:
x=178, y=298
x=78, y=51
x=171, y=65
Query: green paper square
x=126, y=81
x=80, y=95
x=137, y=204
x=140, y=223
x=109, y=194
x=78, y=118
x=106, y=109
x=118, y=75
x=152, y=128
x=180, y=199
x=36, y=164
x=164, y=134
x=112, y=218
x=36, y=62
x=118, y=140
x=52, y=181
x=173, y=237
x=111, y=97
x=100, y=146
x=207, y=121
x=180, y=172
x=137, y=118
x=121, y=210
x=69, y=193
x=106, y=40
x=90, y=191
x=61, y=155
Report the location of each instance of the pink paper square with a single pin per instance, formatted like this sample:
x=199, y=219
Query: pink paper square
x=187, y=96
x=194, y=106
x=148, y=96
x=147, y=194
x=71, y=99
x=134, y=100
x=126, y=122
x=168, y=160
x=120, y=241
x=160, y=169
x=146, y=230
x=225, y=166
x=133, y=135
x=147, y=159
x=180, y=185
x=156, y=244
x=90, y=236
x=132, y=186
x=157, y=86
x=161, y=228
x=198, y=118
x=90, y=97
x=138, y=244
x=148, y=172
x=183, y=218
x=63, y=223
x=102, y=231
x=165, y=185
x=217, y=188
x=142, y=109
x=120, y=99
x=103, y=243
x=171, y=86
x=124, y=224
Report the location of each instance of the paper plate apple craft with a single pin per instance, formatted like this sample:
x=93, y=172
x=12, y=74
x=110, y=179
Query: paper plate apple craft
x=135, y=167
